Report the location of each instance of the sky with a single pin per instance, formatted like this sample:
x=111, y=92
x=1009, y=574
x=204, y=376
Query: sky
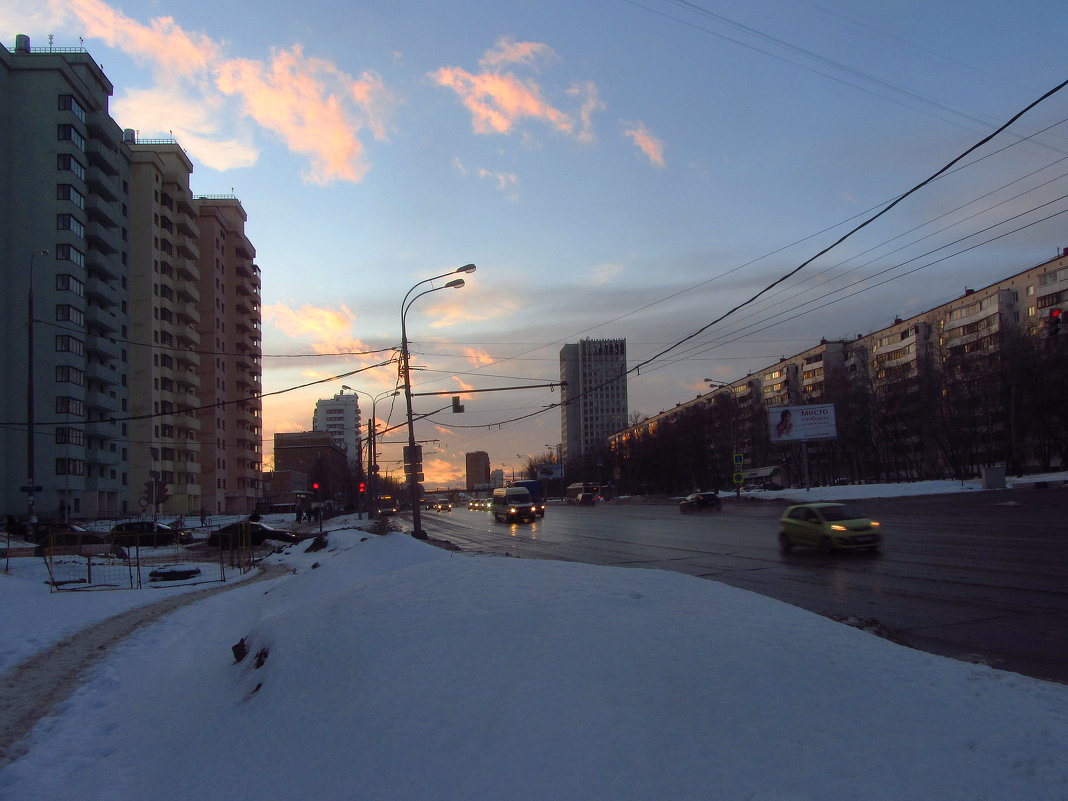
x=394, y=669
x=614, y=168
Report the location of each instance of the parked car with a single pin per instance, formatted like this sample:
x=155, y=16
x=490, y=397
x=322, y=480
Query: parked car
x=66, y=534
x=829, y=527
x=234, y=534
x=700, y=502
x=148, y=533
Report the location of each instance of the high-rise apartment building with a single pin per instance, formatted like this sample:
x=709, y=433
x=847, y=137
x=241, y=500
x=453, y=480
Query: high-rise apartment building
x=231, y=415
x=478, y=470
x=145, y=308
x=594, y=396
x=340, y=417
x=164, y=432
x=63, y=253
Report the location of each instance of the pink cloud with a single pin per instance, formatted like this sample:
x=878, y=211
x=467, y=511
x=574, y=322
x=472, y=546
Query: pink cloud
x=650, y=145
x=508, y=51
x=313, y=107
x=162, y=41
x=303, y=101
x=499, y=100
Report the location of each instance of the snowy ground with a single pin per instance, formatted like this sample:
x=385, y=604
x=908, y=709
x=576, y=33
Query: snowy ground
x=386, y=668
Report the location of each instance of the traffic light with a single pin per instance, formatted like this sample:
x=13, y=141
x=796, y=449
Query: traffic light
x=1053, y=323
x=363, y=487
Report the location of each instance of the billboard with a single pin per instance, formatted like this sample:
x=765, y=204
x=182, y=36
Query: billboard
x=550, y=470
x=802, y=423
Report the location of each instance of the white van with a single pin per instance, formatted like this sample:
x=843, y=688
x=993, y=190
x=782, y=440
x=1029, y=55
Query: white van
x=513, y=504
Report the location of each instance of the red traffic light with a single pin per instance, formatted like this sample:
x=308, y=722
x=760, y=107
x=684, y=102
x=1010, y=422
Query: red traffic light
x=363, y=486
x=315, y=485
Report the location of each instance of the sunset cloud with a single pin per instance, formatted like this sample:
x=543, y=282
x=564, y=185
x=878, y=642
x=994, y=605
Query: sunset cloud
x=499, y=100
x=325, y=330
x=310, y=105
x=508, y=51
x=478, y=358
x=646, y=142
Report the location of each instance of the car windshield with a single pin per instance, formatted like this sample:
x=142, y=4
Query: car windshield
x=840, y=513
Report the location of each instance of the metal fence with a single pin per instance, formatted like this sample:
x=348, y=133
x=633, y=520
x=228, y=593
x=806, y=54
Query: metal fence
x=108, y=566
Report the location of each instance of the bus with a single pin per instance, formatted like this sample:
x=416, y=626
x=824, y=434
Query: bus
x=387, y=505
x=599, y=492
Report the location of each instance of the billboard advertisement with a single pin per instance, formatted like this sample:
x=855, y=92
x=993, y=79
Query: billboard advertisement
x=802, y=423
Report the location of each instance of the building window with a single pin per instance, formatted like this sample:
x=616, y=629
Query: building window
x=68, y=283
x=65, y=374
x=66, y=313
x=68, y=192
x=68, y=222
x=65, y=162
x=69, y=436
x=65, y=342
x=72, y=254
x=68, y=133
x=65, y=405
x=70, y=103
x=70, y=467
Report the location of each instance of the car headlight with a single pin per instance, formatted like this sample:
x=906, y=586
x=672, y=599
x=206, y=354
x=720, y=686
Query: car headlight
x=836, y=527
x=874, y=524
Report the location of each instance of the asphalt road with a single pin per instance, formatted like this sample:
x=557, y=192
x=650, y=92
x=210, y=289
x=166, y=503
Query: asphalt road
x=977, y=576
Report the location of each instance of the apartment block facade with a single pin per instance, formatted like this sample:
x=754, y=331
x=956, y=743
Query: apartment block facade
x=100, y=237
x=231, y=369
x=594, y=397
x=968, y=384
x=478, y=470
x=63, y=252
x=340, y=416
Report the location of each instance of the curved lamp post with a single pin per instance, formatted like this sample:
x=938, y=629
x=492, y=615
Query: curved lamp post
x=372, y=455
x=414, y=461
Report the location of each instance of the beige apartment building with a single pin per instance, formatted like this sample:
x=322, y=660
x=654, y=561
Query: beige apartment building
x=231, y=359
x=164, y=441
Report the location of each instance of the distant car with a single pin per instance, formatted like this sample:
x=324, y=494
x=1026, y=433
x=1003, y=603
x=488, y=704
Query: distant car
x=700, y=502
x=586, y=499
x=443, y=506
x=148, y=533
x=66, y=534
x=234, y=534
x=829, y=527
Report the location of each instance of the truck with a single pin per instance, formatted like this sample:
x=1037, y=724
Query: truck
x=536, y=494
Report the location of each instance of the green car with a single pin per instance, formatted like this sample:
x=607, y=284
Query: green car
x=829, y=527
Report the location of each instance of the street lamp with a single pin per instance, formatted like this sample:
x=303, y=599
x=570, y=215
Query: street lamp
x=31, y=470
x=414, y=459
x=372, y=454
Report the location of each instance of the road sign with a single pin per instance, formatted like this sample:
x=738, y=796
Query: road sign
x=31, y=488
x=739, y=478
x=739, y=458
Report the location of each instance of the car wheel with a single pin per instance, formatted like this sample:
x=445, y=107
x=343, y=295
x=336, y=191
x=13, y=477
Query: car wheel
x=826, y=547
x=784, y=543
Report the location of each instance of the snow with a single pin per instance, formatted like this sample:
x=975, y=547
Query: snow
x=387, y=668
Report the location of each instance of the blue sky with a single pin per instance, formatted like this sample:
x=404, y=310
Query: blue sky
x=614, y=168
